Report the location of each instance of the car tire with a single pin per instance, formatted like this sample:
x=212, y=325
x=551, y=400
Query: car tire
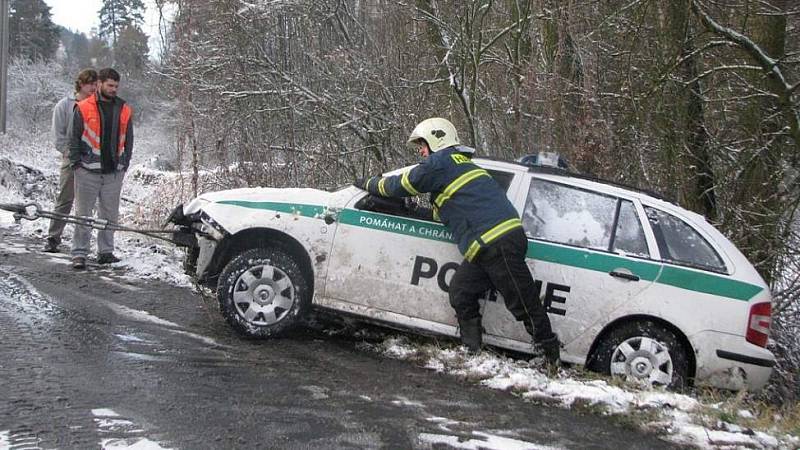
x=644, y=352
x=263, y=292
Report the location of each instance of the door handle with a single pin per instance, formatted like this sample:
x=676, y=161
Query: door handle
x=623, y=275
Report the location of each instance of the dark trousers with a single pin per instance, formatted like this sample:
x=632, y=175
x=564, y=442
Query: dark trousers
x=501, y=266
x=63, y=203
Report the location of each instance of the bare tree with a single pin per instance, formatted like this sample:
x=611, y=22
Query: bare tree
x=693, y=98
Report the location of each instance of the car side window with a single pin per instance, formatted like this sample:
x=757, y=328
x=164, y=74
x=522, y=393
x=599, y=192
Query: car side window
x=502, y=178
x=680, y=243
x=629, y=236
x=569, y=215
x=411, y=207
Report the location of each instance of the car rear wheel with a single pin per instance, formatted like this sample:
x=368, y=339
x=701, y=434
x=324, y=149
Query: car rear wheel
x=263, y=292
x=643, y=352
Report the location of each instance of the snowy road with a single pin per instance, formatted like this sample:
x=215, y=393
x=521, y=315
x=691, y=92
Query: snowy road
x=97, y=360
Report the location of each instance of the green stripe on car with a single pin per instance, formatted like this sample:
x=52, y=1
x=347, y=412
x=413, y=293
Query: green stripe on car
x=708, y=283
x=289, y=208
x=383, y=222
x=670, y=275
x=689, y=279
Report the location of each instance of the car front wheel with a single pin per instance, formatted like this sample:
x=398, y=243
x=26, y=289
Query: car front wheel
x=643, y=352
x=263, y=292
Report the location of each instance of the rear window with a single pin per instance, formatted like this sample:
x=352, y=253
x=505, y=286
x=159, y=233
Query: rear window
x=680, y=243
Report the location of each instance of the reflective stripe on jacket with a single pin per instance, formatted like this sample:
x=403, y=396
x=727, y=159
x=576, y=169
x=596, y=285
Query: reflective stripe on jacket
x=465, y=198
x=87, y=131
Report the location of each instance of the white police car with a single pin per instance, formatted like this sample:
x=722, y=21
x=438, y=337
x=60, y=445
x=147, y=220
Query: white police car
x=635, y=286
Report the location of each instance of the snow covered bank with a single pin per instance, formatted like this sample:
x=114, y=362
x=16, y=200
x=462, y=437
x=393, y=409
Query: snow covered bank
x=679, y=418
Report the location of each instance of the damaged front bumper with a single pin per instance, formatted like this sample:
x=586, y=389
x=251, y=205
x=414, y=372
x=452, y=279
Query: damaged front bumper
x=183, y=235
x=201, y=235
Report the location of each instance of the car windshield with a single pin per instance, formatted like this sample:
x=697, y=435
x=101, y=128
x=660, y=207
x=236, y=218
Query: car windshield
x=385, y=174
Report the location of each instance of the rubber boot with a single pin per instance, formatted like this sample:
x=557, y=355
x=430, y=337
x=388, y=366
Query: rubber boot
x=550, y=349
x=471, y=334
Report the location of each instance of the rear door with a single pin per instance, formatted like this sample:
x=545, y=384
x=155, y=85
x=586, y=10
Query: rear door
x=589, y=253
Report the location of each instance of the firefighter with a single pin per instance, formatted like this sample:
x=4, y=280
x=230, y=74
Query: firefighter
x=487, y=229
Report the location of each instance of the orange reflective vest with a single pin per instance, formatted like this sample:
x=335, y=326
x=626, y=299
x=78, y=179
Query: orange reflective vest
x=92, y=127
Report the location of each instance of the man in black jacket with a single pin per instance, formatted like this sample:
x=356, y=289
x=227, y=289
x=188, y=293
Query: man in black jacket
x=487, y=229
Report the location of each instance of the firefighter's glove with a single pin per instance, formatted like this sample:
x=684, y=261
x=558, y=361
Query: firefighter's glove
x=361, y=183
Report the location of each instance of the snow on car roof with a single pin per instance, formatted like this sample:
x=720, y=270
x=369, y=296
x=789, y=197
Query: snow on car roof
x=514, y=165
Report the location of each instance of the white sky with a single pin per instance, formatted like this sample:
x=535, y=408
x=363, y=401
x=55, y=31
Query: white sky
x=81, y=15
x=77, y=15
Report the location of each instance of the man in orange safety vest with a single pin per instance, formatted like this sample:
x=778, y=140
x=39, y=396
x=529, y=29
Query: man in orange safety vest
x=100, y=151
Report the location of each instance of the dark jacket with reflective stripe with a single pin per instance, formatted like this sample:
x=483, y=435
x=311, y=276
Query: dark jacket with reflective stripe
x=465, y=197
x=87, y=130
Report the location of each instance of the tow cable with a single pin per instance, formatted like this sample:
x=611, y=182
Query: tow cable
x=32, y=211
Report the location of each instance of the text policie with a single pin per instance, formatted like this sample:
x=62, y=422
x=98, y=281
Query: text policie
x=425, y=267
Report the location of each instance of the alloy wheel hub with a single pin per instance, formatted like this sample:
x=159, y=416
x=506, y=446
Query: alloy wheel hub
x=641, y=367
x=642, y=358
x=264, y=294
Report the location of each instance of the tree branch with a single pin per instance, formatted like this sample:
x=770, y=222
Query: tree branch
x=770, y=66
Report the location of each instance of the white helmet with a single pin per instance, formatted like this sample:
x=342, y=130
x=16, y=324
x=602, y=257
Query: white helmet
x=437, y=132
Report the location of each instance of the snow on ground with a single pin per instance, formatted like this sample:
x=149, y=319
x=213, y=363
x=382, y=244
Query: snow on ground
x=482, y=441
x=29, y=170
x=680, y=418
x=29, y=173
x=108, y=421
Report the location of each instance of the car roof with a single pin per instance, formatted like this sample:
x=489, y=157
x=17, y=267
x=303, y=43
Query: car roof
x=517, y=166
x=610, y=187
x=592, y=182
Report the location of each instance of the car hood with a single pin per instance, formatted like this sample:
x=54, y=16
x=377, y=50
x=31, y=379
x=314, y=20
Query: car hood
x=267, y=196
x=237, y=209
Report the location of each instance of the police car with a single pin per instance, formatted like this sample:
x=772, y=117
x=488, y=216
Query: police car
x=635, y=286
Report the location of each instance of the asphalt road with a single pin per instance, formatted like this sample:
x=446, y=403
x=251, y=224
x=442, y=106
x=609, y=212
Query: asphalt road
x=96, y=359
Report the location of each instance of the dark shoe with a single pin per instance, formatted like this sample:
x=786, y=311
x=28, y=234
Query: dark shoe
x=79, y=263
x=471, y=334
x=51, y=246
x=107, y=258
x=549, y=349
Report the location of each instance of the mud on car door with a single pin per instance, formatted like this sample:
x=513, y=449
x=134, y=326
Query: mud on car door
x=373, y=260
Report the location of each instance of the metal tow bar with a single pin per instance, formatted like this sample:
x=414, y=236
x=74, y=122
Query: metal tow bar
x=32, y=211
